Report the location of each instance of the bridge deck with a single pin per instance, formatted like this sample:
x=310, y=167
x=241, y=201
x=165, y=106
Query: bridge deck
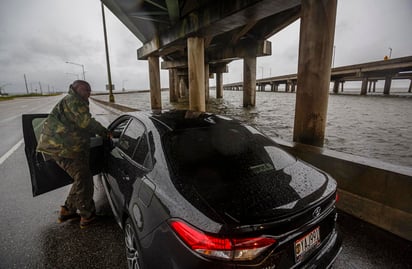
x=399, y=68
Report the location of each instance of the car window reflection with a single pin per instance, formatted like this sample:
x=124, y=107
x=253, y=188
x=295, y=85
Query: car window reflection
x=131, y=137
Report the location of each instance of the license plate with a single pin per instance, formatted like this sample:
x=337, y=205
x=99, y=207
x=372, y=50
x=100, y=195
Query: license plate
x=304, y=245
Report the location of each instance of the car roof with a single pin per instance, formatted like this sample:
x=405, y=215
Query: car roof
x=175, y=120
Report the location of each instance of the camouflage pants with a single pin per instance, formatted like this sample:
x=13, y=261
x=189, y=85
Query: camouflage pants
x=81, y=194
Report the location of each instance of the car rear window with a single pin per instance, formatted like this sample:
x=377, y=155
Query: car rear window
x=224, y=155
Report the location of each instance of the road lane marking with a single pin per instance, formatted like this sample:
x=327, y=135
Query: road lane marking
x=10, y=152
x=10, y=118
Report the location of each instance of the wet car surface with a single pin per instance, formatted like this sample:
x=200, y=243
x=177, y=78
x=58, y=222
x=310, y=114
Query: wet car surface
x=210, y=192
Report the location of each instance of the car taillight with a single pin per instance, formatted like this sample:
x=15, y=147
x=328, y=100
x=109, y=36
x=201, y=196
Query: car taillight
x=337, y=197
x=238, y=249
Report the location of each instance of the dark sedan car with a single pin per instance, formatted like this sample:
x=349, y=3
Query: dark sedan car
x=198, y=190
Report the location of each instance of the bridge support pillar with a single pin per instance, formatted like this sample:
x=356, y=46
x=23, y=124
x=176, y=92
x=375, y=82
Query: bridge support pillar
x=196, y=63
x=249, y=81
x=172, y=86
x=179, y=87
x=293, y=86
x=317, y=29
x=206, y=82
x=374, y=86
x=364, y=87
x=219, y=85
x=336, y=86
x=177, y=84
x=154, y=77
x=287, y=86
x=410, y=86
x=183, y=90
x=387, y=87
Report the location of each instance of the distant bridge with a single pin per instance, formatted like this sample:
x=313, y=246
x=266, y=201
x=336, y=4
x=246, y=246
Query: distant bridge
x=368, y=73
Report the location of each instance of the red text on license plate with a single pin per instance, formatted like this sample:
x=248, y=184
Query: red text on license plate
x=306, y=244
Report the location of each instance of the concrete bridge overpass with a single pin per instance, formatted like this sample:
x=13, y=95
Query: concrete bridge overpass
x=199, y=38
x=196, y=38
x=367, y=73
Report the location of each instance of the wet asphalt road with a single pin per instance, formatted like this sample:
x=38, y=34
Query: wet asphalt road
x=31, y=238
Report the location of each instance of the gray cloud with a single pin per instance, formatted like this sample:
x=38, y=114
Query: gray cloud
x=38, y=37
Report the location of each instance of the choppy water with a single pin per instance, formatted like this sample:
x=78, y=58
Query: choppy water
x=371, y=126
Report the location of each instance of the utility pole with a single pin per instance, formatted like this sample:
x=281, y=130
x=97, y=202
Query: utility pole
x=109, y=77
x=390, y=53
x=25, y=81
x=41, y=91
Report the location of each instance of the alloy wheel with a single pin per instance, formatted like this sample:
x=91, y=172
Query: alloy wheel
x=132, y=250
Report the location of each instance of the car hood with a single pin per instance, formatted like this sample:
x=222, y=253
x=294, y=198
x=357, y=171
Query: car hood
x=269, y=197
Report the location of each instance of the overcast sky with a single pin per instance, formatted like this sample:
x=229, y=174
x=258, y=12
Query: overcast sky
x=38, y=37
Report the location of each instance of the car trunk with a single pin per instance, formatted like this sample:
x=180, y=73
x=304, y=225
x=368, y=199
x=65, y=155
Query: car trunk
x=263, y=197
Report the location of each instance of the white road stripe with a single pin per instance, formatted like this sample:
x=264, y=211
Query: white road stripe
x=10, y=118
x=10, y=152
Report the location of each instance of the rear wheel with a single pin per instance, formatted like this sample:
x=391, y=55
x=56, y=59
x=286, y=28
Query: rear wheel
x=132, y=246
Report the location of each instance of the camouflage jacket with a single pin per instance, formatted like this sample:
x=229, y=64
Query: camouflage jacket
x=67, y=130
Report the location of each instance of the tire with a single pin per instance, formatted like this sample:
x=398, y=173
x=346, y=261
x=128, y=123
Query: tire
x=133, y=253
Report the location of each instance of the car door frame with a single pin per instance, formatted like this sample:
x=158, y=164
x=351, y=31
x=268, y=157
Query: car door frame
x=45, y=174
x=116, y=176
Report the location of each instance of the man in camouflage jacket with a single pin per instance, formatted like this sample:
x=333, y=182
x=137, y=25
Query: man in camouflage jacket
x=65, y=138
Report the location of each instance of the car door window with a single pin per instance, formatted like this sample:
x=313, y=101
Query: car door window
x=118, y=129
x=134, y=142
x=141, y=155
x=131, y=137
x=43, y=173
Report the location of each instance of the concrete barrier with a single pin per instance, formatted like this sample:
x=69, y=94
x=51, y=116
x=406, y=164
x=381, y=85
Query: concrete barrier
x=114, y=105
x=371, y=190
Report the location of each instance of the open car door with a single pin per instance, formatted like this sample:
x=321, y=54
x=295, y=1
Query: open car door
x=46, y=175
